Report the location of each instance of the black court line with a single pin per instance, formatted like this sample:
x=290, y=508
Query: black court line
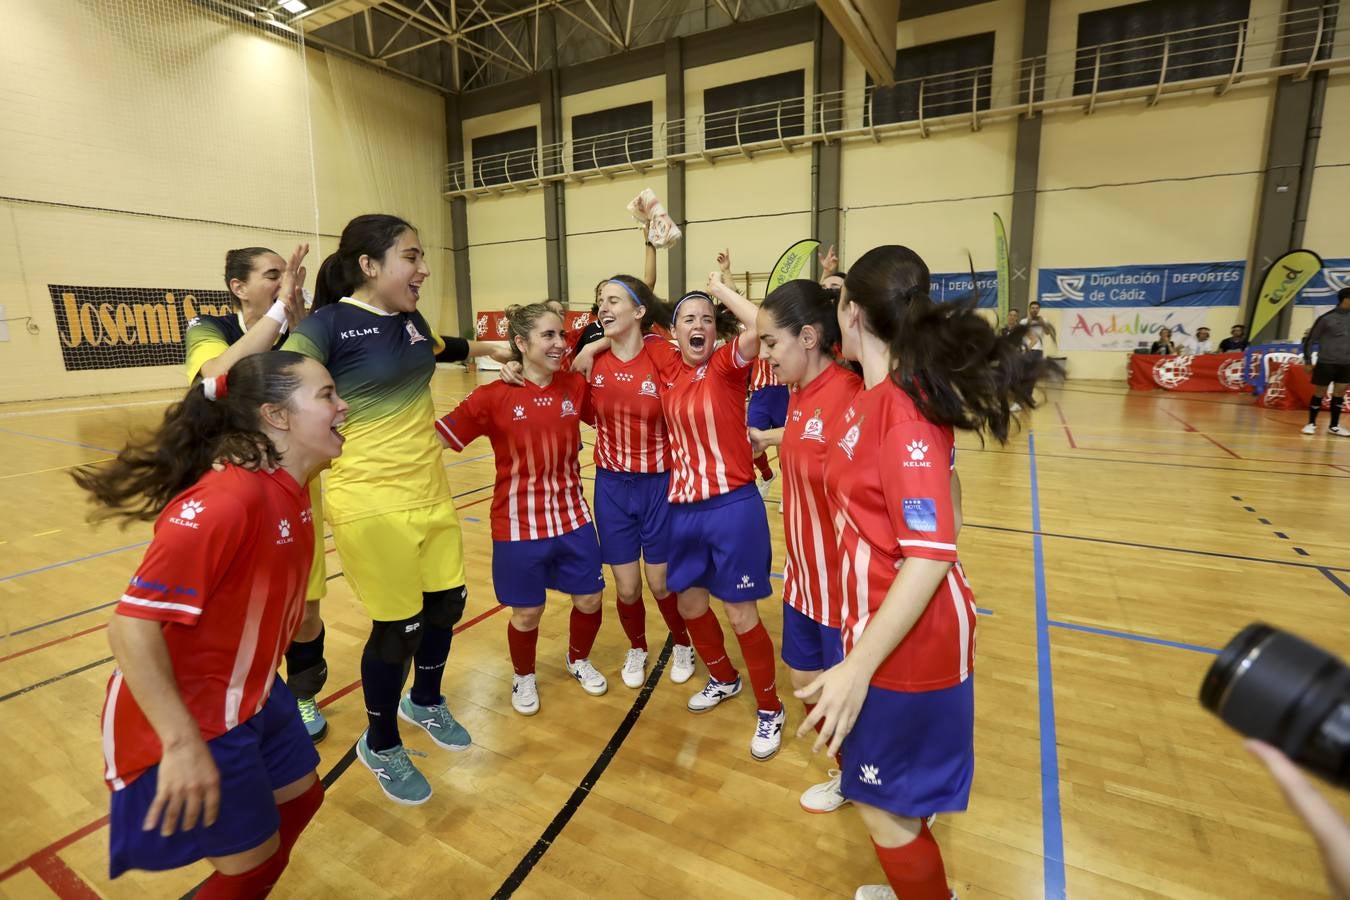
x=1169, y=465
x=1327, y=571
x=1213, y=553
x=55, y=678
x=569, y=809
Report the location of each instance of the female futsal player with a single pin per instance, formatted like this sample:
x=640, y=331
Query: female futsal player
x=388, y=500
x=542, y=536
x=719, y=533
x=767, y=409
x=900, y=707
x=267, y=293
x=205, y=753
x=798, y=332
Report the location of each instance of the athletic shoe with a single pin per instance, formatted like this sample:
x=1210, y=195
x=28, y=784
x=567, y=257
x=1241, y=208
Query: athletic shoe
x=635, y=667
x=588, y=676
x=437, y=722
x=764, y=483
x=524, y=694
x=882, y=892
x=713, y=693
x=682, y=663
x=312, y=716
x=1310, y=428
x=768, y=733
x=398, y=777
x=1339, y=431
x=825, y=797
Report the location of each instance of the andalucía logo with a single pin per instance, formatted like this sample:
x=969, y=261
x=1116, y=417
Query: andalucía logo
x=122, y=328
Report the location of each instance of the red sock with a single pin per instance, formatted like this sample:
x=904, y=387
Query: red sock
x=706, y=633
x=757, y=648
x=296, y=813
x=256, y=882
x=581, y=633
x=633, y=618
x=670, y=611
x=762, y=463
x=915, y=870
x=522, y=644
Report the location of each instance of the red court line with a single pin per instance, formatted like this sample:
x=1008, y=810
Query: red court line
x=1065, y=422
x=66, y=883
x=60, y=640
x=1189, y=427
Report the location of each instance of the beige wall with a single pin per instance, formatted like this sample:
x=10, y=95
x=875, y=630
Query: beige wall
x=203, y=128
x=1328, y=229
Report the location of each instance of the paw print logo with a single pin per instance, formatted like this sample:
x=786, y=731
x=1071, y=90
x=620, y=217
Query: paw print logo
x=194, y=322
x=284, y=526
x=870, y=775
x=191, y=509
x=917, y=450
x=520, y=412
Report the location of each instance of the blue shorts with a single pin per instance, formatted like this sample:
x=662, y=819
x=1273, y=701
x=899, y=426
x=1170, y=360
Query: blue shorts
x=632, y=516
x=809, y=646
x=721, y=544
x=768, y=407
x=255, y=758
x=523, y=571
x=912, y=754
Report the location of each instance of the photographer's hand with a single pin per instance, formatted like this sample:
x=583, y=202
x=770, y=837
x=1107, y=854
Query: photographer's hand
x=1331, y=832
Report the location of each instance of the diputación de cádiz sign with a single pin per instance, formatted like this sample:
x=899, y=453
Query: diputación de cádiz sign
x=123, y=328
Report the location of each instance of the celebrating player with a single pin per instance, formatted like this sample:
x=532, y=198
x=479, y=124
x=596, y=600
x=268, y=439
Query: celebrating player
x=205, y=752
x=388, y=500
x=267, y=293
x=542, y=536
x=900, y=707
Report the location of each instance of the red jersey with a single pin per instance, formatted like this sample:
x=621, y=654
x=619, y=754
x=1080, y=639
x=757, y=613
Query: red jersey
x=813, y=422
x=624, y=404
x=705, y=412
x=888, y=479
x=762, y=375
x=535, y=433
x=226, y=574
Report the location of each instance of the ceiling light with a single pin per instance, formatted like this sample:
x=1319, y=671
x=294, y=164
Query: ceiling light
x=295, y=7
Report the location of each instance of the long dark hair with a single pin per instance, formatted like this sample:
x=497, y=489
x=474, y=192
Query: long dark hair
x=150, y=472
x=947, y=358
x=802, y=302
x=656, y=313
x=369, y=235
x=238, y=265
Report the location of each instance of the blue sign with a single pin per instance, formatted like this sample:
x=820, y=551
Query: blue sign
x=1321, y=291
x=1182, y=284
x=947, y=288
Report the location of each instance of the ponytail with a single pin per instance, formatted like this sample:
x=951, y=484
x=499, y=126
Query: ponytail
x=369, y=235
x=196, y=432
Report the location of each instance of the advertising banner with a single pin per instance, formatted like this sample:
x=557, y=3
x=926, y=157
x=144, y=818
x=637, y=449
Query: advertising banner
x=1282, y=283
x=124, y=328
x=1001, y=267
x=1125, y=287
x=1322, y=289
x=1130, y=329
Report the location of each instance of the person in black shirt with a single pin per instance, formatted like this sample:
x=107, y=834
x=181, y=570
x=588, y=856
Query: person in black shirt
x=1164, y=345
x=1235, y=342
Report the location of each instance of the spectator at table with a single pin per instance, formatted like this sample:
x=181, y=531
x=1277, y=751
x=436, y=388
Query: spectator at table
x=1202, y=343
x=1236, y=341
x=1164, y=345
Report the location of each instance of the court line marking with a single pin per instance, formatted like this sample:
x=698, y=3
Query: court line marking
x=97, y=408
x=69, y=562
x=1175, y=465
x=1052, y=828
x=55, y=678
x=64, y=881
x=1065, y=422
x=60, y=640
x=1327, y=570
x=1193, y=430
x=583, y=790
x=92, y=462
x=1131, y=636
x=43, y=437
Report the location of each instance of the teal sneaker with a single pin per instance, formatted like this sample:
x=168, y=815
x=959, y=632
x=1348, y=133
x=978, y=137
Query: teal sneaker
x=437, y=722
x=398, y=777
x=312, y=716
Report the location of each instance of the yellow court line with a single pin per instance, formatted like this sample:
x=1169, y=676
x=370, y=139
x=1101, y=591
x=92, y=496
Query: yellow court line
x=58, y=468
x=45, y=533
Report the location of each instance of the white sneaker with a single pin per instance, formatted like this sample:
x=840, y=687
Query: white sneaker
x=1339, y=430
x=713, y=693
x=768, y=733
x=682, y=663
x=825, y=797
x=882, y=892
x=588, y=676
x=634, y=667
x=764, y=483
x=1310, y=428
x=524, y=694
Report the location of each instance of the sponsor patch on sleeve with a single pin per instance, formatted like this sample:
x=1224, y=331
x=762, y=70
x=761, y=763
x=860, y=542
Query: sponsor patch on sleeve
x=920, y=513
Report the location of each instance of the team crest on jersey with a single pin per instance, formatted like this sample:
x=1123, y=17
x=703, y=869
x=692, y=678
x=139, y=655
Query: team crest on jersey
x=413, y=334
x=520, y=413
x=568, y=409
x=850, y=439
x=815, y=429
x=648, y=388
x=702, y=370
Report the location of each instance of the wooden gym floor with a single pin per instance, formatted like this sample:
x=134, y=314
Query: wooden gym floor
x=1114, y=545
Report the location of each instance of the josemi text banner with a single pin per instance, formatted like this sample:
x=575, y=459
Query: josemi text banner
x=124, y=328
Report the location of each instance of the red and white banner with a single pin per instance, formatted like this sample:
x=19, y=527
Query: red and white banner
x=492, y=326
x=1212, y=372
x=1289, y=386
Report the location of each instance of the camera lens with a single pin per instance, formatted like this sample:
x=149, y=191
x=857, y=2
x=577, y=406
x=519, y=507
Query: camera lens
x=1270, y=685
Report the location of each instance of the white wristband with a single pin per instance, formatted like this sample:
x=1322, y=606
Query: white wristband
x=278, y=314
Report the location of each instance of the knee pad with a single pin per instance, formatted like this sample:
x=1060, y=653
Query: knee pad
x=443, y=609
x=307, y=683
x=395, y=642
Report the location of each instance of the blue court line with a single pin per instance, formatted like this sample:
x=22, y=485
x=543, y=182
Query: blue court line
x=1141, y=638
x=471, y=519
x=1052, y=828
x=70, y=562
x=43, y=437
x=463, y=462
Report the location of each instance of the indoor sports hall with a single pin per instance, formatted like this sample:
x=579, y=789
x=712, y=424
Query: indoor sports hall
x=1150, y=174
